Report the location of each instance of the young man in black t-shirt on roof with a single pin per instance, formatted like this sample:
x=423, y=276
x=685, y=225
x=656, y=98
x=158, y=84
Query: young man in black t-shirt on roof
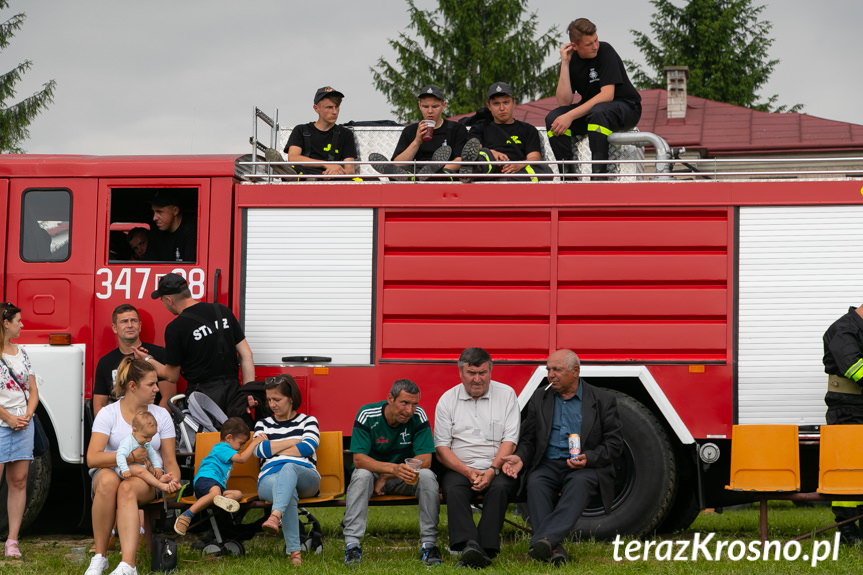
x=420, y=142
x=323, y=140
x=609, y=102
x=505, y=139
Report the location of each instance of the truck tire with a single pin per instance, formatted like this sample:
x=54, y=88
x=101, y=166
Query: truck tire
x=645, y=478
x=38, y=486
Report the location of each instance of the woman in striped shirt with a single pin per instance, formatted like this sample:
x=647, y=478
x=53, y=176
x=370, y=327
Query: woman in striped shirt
x=287, y=456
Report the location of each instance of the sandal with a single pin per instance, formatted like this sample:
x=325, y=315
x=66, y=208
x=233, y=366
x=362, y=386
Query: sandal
x=296, y=558
x=272, y=524
x=12, y=549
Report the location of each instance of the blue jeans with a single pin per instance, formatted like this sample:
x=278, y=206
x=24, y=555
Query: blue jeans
x=284, y=487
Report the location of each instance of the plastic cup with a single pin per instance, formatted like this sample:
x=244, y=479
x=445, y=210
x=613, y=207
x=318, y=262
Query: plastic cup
x=79, y=554
x=429, y=131
x=416, y=465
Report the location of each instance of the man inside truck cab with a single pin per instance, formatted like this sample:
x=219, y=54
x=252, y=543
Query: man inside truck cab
x=329, y=145
x=175, y=239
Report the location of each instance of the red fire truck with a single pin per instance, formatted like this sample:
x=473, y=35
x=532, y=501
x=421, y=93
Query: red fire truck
x=701, y=303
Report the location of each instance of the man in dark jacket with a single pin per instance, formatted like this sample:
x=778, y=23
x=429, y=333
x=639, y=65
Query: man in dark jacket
x=568, y=405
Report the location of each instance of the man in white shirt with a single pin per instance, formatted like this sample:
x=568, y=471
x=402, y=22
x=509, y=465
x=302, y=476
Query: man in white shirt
x=476, y=426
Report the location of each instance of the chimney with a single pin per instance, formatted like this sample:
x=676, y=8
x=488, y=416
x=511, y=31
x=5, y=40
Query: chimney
x=676, y=77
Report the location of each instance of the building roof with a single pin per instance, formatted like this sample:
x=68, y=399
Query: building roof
x=717, y=129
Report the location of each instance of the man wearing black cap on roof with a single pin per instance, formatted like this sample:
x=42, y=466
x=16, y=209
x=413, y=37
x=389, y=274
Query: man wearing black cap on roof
x=175, y=239
x=432, y=139
x=204, y=341
x=505, y=139
x=323, y=140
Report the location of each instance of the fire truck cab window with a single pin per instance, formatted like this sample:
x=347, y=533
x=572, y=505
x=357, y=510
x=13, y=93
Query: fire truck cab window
x=46, y=217
x=153, y=224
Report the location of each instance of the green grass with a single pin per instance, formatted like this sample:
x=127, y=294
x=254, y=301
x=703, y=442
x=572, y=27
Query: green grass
x=391, y=547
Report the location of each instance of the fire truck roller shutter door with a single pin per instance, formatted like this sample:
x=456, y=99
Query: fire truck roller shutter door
x=645, y=483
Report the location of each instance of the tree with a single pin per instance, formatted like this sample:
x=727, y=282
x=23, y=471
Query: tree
x=721, y=41
x=14, y=119
x=471, y=44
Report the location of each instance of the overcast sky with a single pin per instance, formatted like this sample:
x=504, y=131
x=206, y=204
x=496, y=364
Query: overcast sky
x=183, y=76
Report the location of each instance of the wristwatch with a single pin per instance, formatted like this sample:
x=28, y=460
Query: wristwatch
x=496, y=470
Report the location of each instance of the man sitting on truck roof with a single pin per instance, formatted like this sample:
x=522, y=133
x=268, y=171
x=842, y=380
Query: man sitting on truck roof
x=323, y=141
x=433, y=139
x=505, y=139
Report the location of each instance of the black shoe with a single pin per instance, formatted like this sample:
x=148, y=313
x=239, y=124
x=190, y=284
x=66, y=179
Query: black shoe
x=558, y=557
x=353, y=555
x=442, y=154
x=474, y=556
x=540, y=551
x=383, y=166
x=430, y=556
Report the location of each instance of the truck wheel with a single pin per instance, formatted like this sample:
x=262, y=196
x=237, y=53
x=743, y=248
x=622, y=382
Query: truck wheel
x=38, y=486
x=645, y=478
x=686, y=506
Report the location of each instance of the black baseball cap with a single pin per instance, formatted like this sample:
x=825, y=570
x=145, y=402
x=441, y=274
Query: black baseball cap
x=431, y=90
x=498, y=89
x=164, y=198
x=170, y=284
x=326, y=91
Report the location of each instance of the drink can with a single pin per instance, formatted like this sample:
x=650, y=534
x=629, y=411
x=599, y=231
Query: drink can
x=574, y=445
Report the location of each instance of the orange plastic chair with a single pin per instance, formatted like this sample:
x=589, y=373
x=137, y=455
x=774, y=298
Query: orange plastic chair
x=764, y=458
x=840, y=469
x=331, y=467
x=244, y=476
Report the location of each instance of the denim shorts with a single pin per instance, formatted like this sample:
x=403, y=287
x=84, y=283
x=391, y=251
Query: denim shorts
x=16, y=445
x=204, y=484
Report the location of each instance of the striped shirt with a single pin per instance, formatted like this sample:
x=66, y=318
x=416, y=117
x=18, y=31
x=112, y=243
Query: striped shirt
x=300, y=426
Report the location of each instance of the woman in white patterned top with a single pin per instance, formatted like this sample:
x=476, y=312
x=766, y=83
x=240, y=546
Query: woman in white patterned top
x=18, y=400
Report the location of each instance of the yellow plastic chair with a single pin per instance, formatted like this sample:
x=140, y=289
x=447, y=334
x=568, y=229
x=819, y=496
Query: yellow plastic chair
x=764, y=458
x=331, y=467
x=840, y=469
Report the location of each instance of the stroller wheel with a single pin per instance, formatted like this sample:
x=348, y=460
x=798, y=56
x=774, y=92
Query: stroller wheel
x=235, y=548
x=211, y=549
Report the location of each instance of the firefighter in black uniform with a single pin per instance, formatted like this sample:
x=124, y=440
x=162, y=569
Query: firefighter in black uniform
x=843, y=362
x=205, y=340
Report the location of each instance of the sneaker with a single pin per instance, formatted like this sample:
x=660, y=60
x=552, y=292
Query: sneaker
x=430, y=555
x=226, y=503
x=474, y=556
x=353, y=555
x=124, y=569
x=442, y=154
x=181, y=525
x=98, y=565
x=383, y=165
x=540, y=551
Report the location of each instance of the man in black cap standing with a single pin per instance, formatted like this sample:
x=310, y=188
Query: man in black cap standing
x=433, y=139
x=323, y=141
x=176, y=238
x=205, y=342
x=505, y=139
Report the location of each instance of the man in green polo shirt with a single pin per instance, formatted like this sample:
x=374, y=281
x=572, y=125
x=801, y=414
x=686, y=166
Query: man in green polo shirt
x=385, y=434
